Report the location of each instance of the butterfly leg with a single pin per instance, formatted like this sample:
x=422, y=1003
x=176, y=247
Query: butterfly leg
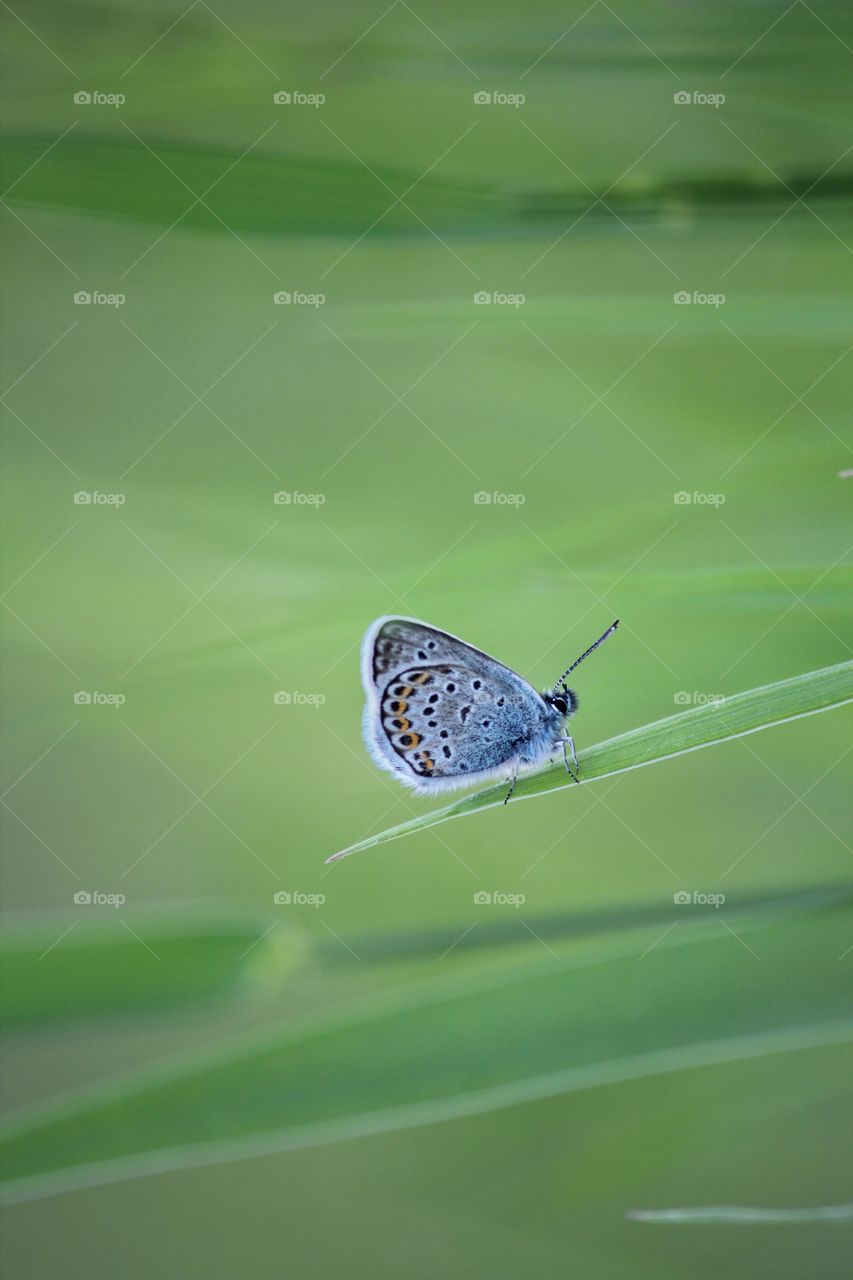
x=571, y=743
x=511, y=784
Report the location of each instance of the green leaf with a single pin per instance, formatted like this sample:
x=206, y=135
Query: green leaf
x=645, y=1003
x=73, y=969
x=719, y=721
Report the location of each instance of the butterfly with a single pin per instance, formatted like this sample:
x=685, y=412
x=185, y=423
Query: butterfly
x=441, y=714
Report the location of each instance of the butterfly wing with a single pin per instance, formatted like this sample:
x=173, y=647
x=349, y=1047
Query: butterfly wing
x=442, y=714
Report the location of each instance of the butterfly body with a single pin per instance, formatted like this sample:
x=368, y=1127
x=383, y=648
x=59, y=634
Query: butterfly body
x=441, y=714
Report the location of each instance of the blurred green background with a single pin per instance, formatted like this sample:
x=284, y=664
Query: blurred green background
x=586, y=403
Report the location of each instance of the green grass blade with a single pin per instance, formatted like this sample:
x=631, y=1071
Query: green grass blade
x=71, y=969
x=731, y=717
x=289, y=194
x=741, y=1215
x=573, y=927
x=625, y=1009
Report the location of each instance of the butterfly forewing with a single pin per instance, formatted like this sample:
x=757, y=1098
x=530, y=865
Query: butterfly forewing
x=440, y=710
x=398, y=643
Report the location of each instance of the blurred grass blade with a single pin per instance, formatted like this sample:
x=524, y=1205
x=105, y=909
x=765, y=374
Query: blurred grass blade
x=728, y=1213
x=57, y=969
x=644, y=1005
x=516, y=929
x=76, y=969
x=281, y=193
x=731, y=717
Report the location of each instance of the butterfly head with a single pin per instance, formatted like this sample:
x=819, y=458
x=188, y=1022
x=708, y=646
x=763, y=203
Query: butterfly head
x=563, y=700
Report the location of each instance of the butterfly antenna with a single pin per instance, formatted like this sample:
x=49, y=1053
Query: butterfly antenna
x=592, y=648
